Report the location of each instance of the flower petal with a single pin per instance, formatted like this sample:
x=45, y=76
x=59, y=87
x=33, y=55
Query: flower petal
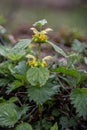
x=34, y=30
x=30, y=56
x=47, y=58
x=46, y=30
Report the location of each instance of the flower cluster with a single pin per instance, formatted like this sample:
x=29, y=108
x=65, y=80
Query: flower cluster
x=33, y=62
x=40, y=36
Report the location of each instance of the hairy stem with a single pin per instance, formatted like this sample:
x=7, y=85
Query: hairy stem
x=39, y=51
x=40, y=115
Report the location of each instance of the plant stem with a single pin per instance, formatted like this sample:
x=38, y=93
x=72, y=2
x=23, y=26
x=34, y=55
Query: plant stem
x=62, y=85
x=41, y=28
x=40, y=115
x=39, y=51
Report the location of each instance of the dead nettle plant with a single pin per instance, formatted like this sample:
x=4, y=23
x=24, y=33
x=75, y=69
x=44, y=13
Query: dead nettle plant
x=29, y=83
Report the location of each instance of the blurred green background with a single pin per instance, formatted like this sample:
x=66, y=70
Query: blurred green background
x=58, y=13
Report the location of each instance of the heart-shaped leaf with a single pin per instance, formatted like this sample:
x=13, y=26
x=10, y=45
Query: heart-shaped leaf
x=37, y=76
x=24, y=126
x=41, y=94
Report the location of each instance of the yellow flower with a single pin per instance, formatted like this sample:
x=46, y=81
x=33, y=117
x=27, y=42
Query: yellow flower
x=45, y=60
x=43, y=31
x=30, y=57
x=31, y=60
x=36, y=63
x=40, y=36
x=44, y=64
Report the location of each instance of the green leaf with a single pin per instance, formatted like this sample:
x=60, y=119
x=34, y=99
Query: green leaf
x=21, y=45
x=4, y=67
x=17, y=52
x=10, y=53
x=66, y=122
x=54, y=127
x=8, y=114
x=3, y=82
x=12, y=100
x=57, y=49
x=15, y=56
x=79, y=100
x=70, y=81
x=78, y=76
x=12, y=86
x=65, y=70
x=2, y=100
x=55, y=112
x=46, y=124
x=83, y=77
x=40, y=23
x=20, y=77
x=24, y=126
x=19, y=71
x=41, y=94
x=22, y=110
x=4, y=50
x=37, y=75
x=21, y=68
x=78, y=46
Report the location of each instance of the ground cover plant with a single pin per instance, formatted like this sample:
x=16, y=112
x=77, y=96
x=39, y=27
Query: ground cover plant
x=42, y=93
